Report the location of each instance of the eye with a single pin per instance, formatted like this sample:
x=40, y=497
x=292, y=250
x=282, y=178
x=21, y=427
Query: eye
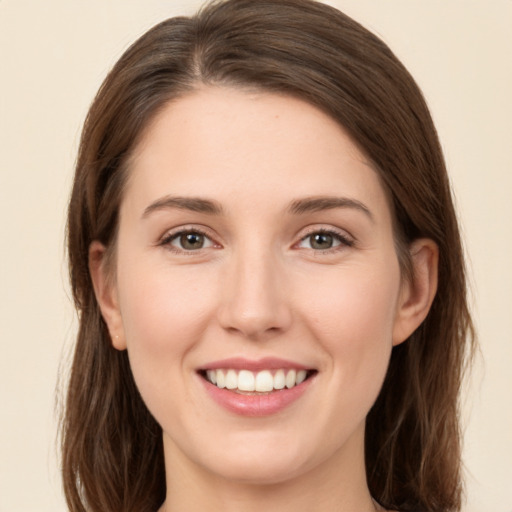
x=323, y=240
x=187, y=241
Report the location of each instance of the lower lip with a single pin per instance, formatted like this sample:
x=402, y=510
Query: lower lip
x=256, y=405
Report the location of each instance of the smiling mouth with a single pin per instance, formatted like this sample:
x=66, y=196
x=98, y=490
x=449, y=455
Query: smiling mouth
x=261, y=382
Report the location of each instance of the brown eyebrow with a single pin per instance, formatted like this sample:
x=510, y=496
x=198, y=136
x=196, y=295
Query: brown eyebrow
x=297, y=207
x=316, y=204
x=194, y=204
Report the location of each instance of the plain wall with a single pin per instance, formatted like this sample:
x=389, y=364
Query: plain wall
x=53, y=57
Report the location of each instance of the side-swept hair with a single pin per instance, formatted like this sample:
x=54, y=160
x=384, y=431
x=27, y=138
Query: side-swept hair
x=112, y=452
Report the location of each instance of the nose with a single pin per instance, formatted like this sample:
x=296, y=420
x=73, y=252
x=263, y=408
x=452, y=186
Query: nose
x=254, y=301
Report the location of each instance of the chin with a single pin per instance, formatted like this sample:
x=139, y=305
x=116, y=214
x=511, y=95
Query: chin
x=260, y=472
x=259, y=461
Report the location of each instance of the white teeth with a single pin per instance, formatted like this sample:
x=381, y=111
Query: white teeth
x=291, y=377
x=279, y=379
x=231, y=379
x=245, y=381
x=301, y=376
x=212, y=376
x=221, y=381
x=262, y=382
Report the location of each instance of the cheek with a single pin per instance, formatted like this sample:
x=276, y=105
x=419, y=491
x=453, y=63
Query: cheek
x=161, y=308
x=352, y=317
x=355, y=304
x=164, y=314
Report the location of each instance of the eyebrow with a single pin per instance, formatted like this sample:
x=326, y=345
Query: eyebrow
x=193, y=204
x=297, y=207
x=317, y=204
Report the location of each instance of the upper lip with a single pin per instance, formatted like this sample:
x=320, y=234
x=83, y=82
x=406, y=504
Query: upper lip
x=255, y=365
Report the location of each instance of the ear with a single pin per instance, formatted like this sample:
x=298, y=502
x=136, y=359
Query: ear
x=105, y=289
x=417, y=293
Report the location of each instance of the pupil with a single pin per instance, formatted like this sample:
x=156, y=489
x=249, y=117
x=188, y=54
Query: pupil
x=322, y=241
x=192, y=241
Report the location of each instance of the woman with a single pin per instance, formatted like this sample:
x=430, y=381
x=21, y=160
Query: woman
x=268, y=269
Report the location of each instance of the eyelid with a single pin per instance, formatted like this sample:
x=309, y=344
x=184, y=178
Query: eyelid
x=172, y=234
x=345, y=239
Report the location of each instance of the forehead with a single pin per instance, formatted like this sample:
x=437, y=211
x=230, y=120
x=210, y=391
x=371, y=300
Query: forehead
x=233, y=144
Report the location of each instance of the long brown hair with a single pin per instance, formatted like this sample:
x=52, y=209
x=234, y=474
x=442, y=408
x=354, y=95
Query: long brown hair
x=111, y=446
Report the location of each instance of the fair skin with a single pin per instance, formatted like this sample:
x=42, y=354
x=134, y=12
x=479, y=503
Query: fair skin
x=225, y=250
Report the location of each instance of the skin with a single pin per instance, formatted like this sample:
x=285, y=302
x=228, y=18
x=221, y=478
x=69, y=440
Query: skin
x=259, y=288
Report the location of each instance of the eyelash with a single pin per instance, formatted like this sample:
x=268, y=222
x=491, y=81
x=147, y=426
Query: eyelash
x=170, y=237
x=343, y=239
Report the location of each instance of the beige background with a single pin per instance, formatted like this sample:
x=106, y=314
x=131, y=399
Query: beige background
x=53, y=56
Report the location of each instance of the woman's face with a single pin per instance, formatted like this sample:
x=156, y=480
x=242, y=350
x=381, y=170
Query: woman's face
x=255, y=250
